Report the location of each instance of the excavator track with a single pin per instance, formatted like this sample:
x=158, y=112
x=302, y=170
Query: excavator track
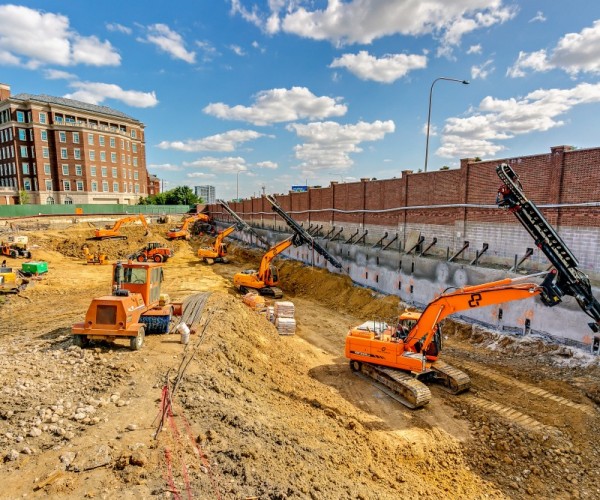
x=454, y=379
x=271, y=291
x=401, y=386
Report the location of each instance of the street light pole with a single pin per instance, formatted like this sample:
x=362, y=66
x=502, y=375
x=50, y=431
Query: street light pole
x=464, y=82
x=237, y=185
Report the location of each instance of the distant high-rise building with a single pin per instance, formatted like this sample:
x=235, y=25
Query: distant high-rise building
x=65, y=151
x=207, y=193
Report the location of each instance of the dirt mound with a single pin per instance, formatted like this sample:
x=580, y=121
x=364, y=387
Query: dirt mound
x=281, y=434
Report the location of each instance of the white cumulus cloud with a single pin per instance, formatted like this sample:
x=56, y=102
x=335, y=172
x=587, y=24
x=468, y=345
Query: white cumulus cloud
x=96, y=93
x=386, y=69
x=495, y=120
x=328, y=145
x=169, y=41
x=227, y=141
x=279, y=105
x=362, y=21
x=574, y=53
x=33, y=38
x=227, y=165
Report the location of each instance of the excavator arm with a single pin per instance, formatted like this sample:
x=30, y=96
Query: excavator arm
x=242, y=223
x=222, y=235
x=113, y=232
x=569, y=279
x=471, y=297
x=273, y=252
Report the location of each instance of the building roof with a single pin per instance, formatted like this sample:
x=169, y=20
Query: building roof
x=72, y=103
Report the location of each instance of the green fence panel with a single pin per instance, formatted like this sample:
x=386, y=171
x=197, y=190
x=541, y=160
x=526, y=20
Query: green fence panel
x=8, y=211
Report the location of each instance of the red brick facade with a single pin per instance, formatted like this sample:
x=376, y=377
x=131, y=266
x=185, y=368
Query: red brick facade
x=566, y=176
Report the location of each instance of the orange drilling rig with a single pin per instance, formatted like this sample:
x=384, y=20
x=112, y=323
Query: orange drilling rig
x=112, y=232
x=402, y=357
x=135, y=308
x=182, y=232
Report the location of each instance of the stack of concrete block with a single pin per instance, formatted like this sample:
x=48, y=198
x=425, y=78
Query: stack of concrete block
x=283, y=313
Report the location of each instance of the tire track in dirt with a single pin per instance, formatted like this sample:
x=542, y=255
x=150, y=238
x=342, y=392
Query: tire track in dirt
x=536, y=391
x=514, y=416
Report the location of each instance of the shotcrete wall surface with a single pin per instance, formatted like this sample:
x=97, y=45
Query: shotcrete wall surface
x=417, y=280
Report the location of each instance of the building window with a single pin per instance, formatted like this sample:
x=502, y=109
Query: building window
x=65, y=169
x=79, y=185
x=104, y=171
x=123, y=158
x=101, y=140
x=62, y=136
x=68, y=200
x=93, y=171
x=49, y=200
x=91, y=139
x=92, y=155
x=45, y=152
x=115, y=187
x=24, y=152
x=133, y=133
x=25, y=168
x=114, y=172
x=134, y=147
x=124, y=187
x=27, y=185
x=76, y=137
x=77, y=154
x=105, y=187
x=20, y=117
x=122, y=144
x=44, y=135
x=64, y=153
x=103, y=156
x=47, y=168
x=113, y=157
x=137, y=188
x=94, y=186
x=135, y=175
x=58, y=118
x=67, y=185
x=48, y=185
x=135, y=162
x=22, y=134
x=112, y=142
x=77, y=169
x=43, y=120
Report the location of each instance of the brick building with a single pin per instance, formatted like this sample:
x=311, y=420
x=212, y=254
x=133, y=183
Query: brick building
x=63, y=151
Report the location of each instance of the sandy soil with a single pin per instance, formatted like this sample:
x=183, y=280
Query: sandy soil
x=258, y=415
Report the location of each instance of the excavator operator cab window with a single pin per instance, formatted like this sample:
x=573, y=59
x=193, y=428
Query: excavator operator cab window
x=274, y=274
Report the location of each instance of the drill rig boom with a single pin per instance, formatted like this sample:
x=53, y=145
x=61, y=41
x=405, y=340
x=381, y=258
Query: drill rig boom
x=570, y=280
x=302, y=234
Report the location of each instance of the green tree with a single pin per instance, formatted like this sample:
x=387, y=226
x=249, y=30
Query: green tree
x=23, y=197
x=181, y=195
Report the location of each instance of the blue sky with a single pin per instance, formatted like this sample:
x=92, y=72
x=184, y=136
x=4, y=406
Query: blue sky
x=244, y=95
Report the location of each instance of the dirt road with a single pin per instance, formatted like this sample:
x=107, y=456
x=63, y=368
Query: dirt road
x=259, y=415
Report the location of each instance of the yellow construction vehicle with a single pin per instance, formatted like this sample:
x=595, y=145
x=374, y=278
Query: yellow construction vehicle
x=217, y=252
x=135, y=308
x=93, y=258
x=12, y=280
x=266, y=279
x=112, y=232
x=182, y=232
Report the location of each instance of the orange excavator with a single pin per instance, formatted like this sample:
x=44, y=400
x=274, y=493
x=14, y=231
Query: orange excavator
x=266, y=279
x=182, y=232
x=401, y=358
x=112, y=232
x=135, y=308
x=218, y=251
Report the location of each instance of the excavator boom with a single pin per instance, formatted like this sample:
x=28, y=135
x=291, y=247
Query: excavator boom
x=182, y=232
x=243, y=225
x=570, y=280
x=302, y=233
x=113, y=232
